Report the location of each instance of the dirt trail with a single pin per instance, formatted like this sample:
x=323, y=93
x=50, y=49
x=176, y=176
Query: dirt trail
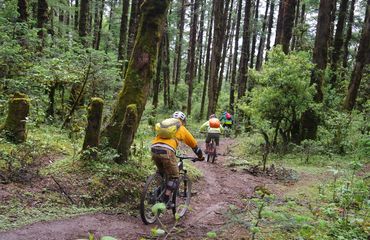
x=220, y=187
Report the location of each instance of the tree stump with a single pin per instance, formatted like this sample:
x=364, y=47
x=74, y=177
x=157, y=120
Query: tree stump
x=15, y=123
x=94, y=120
x=127, y=132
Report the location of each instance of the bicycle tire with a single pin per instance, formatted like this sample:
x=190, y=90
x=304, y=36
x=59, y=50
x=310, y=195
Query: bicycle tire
x=151, y=196
x=182, y=197
x=214, y=155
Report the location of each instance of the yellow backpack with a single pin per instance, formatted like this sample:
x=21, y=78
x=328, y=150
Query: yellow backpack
x=167, y=128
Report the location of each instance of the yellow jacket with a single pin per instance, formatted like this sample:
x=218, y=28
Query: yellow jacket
x=182, y=134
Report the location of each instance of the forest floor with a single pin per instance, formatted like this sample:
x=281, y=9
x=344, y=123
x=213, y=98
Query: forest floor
x=222, y=187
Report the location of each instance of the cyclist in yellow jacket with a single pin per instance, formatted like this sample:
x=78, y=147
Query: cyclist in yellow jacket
x=164, y=153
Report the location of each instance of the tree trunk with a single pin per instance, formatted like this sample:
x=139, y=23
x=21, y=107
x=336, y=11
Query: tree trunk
x=279, y=24
x=178, y=47
x=96, y=25
x=123, y=31
x=76, y=20
x=206, y=68
x=22, y=10
x=348, y=34
x=140, y=70
x=310, y=120
x=235, y=60
x=15, y=123
x=133, y=25
x=338, y=40
x=254, y=34
x=94, y=120
x=227, y=15
x=362, y=58
x=157, y=79
x=42, y=19
x=84, y=15
x=50, y=111
x=100, y=24
x=190, y=68
x=244, y=55
x=200, y=41
x=218, y=36
x=296, y=22
x=261, y=45
x=270, y=24
x=166, y=69
x=332, y=24
x=127, y=132
x=288, y=22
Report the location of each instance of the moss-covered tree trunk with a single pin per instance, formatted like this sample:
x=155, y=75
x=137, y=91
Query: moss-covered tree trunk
x=94, y=120
x=127, y=133
x=15, y=123
x=141, y=69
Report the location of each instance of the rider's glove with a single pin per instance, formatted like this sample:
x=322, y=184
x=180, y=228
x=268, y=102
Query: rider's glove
x=199, y=153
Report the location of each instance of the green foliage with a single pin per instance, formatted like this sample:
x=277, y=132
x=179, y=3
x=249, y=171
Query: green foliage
x=158, y=208
x=211, y=235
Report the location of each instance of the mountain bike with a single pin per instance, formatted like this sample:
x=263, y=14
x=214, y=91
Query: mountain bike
x=211, y=151
x=155, y=188
x=227, y=131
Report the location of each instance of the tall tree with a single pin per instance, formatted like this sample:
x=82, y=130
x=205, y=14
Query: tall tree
x=244, y=55
x=279, y=23
x=261, y=45
x=218, y=35
x=310, y=119
x=254, y=33
x=338, y=40
x=178, y=51
x=166, y=69
x=22, y=10
x=206, y=67
x=84, y=15
x=235, y=60
x=348, y=34
x=76, y=17
x=131, y=100
x=296, y=22
x=133, y=25
x=42, y=19
x=99, y=6
x=362, y=58
x=200, y=40
x=288, y=22
x=123, y=30
x=269, y=28
x=190, y=68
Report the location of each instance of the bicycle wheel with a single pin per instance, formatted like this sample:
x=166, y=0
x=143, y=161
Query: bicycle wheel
x=213, y=156
x=152, y=193
x=182, y=196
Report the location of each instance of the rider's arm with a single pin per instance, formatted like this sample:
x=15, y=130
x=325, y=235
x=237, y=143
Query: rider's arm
x=222, y=129
x=204, y=127
x=184, y=135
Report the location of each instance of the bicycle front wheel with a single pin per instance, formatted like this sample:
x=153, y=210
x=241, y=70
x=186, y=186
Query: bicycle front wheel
x=182, y=196
x=152, y=193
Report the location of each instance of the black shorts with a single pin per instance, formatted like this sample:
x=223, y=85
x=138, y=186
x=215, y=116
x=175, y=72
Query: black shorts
x=215, y=136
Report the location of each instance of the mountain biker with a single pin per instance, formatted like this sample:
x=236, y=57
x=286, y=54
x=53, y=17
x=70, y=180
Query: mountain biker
x=213, y=128
x=164, y=152
x=227, y=120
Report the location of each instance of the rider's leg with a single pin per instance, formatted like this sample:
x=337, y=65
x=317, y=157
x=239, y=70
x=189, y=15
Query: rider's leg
x=208, y=140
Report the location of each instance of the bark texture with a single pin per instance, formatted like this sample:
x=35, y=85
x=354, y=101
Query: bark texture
x=141, y=68
x=94, y=120
x=15, y=123
x=127, y=133
x=22, y=10
x=362, y=58
x=123, y=30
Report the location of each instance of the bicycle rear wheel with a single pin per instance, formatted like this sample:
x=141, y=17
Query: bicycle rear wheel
x=213, y=156
x=182, y=196
x=152, y=193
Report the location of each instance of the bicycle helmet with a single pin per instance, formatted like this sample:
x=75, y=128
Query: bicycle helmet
x=212, y=116
x=179, y=115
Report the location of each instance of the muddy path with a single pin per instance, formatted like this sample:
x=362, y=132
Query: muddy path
x=221, y=187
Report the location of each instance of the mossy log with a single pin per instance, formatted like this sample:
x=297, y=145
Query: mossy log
x=127, y=132
x=15, y=123
x=94, y=120
x=141, y=68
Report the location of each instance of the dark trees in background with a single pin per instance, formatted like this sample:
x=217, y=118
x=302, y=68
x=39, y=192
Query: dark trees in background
x=285, y=23
x=83, y=23
x=338, y=40
x=166, y=68
x=244, y=54
x=235, y=58
x=362, y=58
x=348, y=34
x=218, y=36
x=94, y=121
x=279, y=23
x=98, y=22
x=254, y=33
x=131, y=100
x=269, y=28
x=178, y=47
x=310, y=120
x=42, y=19
x=199, y=59
x=123, y=30
x=22, y=10
x=261, y=45
x=133, y=25
x=76, y=17
x=190, y=67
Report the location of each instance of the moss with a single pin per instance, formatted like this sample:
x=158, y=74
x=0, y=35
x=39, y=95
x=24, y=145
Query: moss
x=127, y=132
x=95, y=113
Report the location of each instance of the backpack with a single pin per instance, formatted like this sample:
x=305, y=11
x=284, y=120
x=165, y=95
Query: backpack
x=167, y=128
x=214, y=123
x=228, y=116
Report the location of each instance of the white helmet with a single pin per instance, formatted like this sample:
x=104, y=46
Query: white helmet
x=179, y=115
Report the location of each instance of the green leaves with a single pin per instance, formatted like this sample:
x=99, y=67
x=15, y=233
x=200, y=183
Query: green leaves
x=157, y=232
x=211, y=235
x=158, y=208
